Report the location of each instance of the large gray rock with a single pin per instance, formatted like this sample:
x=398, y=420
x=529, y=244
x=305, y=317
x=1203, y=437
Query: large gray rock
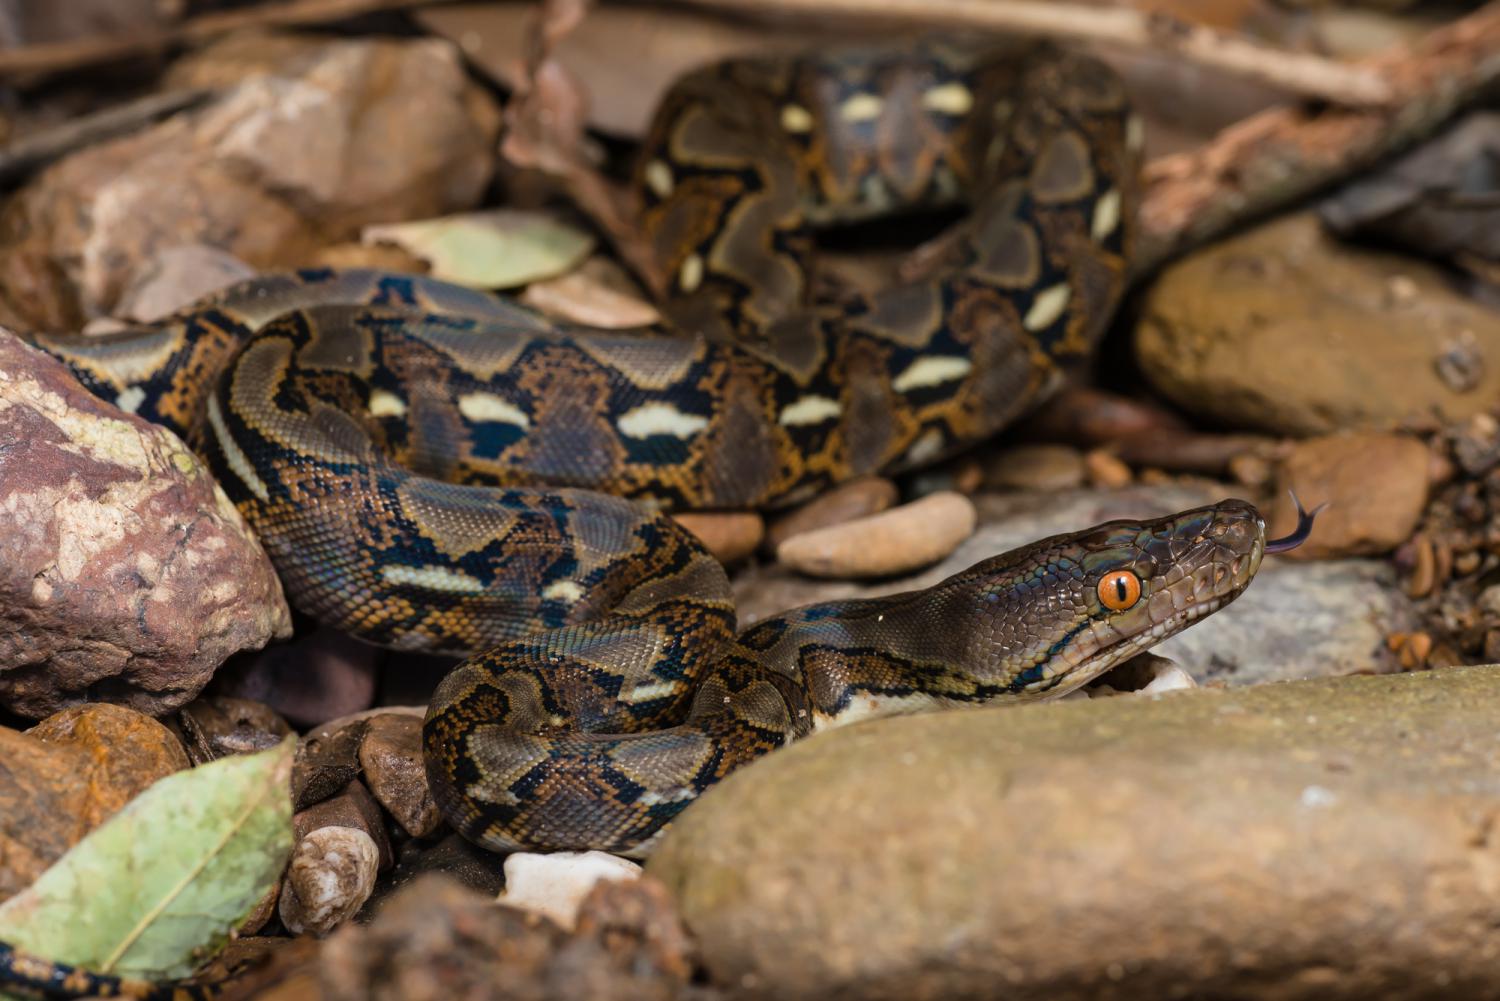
x=1284, y=330
x=126, y=574
x=1315, y=840
x=1297, y=620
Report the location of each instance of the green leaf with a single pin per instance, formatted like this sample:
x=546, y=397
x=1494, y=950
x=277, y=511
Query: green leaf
x=503, y=248
x=156, y=889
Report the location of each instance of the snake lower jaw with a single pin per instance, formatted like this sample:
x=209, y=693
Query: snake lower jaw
x=1104, y=661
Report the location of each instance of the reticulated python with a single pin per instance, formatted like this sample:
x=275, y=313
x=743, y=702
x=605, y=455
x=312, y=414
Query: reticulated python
x=432, y=468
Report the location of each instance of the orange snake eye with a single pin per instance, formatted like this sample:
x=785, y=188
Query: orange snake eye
x=1119, y=590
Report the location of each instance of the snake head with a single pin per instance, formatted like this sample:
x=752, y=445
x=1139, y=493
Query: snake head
x=1064, y=610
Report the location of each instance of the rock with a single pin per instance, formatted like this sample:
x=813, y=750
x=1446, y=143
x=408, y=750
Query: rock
x=1035, y=467
x=321, y=676
x=858, y=498
x=125, y=572
x=1438, y=200
x=455, y=857
x=341, y=846
x=1475, y=445
x=554, y=884
x=1296, y=620
x=215, y=726
x=327, y=761
x=599, y=293
x=730, y=535
x=309, y=142
x=330, y=877
x=124, y=753
x=1105, y=469
x=636, y=922
x=963, y=474
x=900, y=540
x=1284, y=330
x=262, y=914
x=178, y=277
x=435, y=940
x=354, y=807
x=1328, y=839
x=1143, y=674
x=67, y=775
x=1375, y=485
x=391, y=757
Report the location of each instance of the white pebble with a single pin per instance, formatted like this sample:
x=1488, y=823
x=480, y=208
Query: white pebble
x=1169, y=678
x=555, y=884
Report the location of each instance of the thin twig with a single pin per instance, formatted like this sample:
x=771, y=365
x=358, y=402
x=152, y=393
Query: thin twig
x=1280, y=156
x=21, y=158
x=53, y=57
x=1304, y=74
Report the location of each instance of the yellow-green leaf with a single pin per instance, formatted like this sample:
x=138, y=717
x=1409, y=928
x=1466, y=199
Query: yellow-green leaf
x=156, y=889
x=497, y=249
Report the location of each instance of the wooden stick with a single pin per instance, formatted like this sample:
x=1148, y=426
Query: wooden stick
x=1283, y=155
x=53, y=57
x=21, y=158
x=1308, y=75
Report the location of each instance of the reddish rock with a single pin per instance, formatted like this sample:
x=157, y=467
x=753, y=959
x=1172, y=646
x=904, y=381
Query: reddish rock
x=68, y=774
x=125, y=572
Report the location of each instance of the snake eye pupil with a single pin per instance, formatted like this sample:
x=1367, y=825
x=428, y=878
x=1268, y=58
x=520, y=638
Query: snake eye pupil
x=1119, y=590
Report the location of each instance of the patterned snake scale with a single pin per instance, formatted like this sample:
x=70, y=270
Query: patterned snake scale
x=432, y=468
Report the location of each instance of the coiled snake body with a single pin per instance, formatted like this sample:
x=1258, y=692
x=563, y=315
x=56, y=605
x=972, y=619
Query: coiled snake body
x=436, y=469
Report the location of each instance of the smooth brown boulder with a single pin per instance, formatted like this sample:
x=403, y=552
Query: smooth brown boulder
x=126, y=574
x=1375, y=486
x=1283, y=329
x=1330, y=839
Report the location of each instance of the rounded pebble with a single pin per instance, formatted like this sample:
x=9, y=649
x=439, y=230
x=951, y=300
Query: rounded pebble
x=1036, y=467
x=902, y=539
x=331, y=875
x=858, y=498
x=1105, y=469
x=554, y=884
x=730, y=535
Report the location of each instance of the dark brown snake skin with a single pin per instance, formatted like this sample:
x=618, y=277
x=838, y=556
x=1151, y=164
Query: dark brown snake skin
x=437, y=469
